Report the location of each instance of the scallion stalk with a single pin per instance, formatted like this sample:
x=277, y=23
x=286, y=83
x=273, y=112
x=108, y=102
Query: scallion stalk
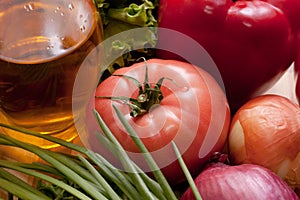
x=187, y=173
x=45, y=177
x=44, y=154
x=126, y=161
x=151, y=162
x=19, y=183
x=20, y=191
x=116, y=176
x=110, y=192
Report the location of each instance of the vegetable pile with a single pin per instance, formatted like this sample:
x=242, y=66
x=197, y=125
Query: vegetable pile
x=95, y=177
x=175, y=133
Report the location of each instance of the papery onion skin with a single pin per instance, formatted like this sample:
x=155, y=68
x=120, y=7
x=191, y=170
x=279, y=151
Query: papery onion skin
x=298, y=87
x=266, y=131
x=297, y=71
x=246, y=181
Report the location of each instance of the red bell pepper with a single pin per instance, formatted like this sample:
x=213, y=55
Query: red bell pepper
x=291, y=9
x=251, y=42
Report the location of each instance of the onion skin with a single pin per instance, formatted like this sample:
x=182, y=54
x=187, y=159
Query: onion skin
x=266, y=131
x=297, y=71
x=298, y=87
x=246, y=181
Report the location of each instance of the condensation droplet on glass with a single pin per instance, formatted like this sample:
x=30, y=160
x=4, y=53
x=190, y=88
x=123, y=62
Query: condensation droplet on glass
x=71, y=6
x=29, y=7
x=51, y=20
x=82, y=28
x=57, y=9
x=85, y=21
x=81, y=16
x=50, y=47
x=62, y=14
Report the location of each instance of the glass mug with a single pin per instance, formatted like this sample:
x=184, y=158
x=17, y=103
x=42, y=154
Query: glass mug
x=42, y=45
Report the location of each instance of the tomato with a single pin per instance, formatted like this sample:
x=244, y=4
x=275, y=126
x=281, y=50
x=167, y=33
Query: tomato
x=251, y=42
x=193, y=112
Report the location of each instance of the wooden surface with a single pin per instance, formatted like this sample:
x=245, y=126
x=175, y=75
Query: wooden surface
x=285, y=87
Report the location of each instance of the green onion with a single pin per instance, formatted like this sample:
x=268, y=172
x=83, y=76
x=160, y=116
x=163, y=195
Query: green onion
x=96, y=176
x=187, y=173
x=19, y=185
x=152, y=164
x=20, y=191
x=46, y=155
x=116, y=176
x=111, y=193
x=125, y=160
x=153, y=185
x=41, y=176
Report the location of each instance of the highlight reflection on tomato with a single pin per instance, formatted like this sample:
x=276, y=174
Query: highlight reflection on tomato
x=193, y=112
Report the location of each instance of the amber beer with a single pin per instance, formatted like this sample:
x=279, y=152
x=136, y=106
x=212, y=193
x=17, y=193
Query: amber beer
x=42, y=45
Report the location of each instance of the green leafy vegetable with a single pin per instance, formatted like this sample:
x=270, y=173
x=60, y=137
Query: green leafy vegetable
x=123, y=15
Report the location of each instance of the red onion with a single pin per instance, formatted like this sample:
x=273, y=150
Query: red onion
x=246, y=181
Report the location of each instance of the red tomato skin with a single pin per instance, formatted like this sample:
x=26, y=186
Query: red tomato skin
x=251, y=42
x=171, y=120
